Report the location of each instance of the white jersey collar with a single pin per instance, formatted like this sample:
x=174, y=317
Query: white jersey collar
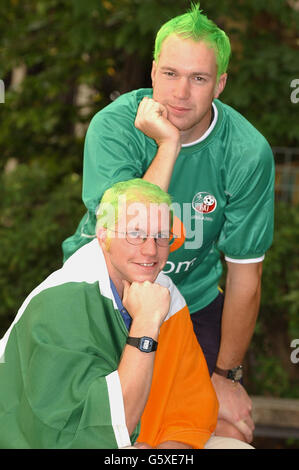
x=208, y=131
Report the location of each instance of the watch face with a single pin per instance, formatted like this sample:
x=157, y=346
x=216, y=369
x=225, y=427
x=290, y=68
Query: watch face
x=146, y=344
x=236, y=373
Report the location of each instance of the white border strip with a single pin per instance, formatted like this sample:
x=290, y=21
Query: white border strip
x=117, y=410
x=177, y=301
x=245, y=261
x=85, y=265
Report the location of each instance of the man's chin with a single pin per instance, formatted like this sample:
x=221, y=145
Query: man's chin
x=181, y=124
x=143, y=278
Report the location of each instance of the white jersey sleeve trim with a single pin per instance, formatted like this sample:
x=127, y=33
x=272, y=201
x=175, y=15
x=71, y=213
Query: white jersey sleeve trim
x=117, y=410
x=245, y=261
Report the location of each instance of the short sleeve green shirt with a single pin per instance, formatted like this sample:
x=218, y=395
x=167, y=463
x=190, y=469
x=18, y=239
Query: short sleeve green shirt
x=222, y=189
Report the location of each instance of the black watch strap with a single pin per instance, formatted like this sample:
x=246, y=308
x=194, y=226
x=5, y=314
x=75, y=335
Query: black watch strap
x=144, y=344
x=235, y=374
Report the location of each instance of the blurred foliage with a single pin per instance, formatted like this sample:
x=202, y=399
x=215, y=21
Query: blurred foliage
x=108, y=46
x=270, y=367
x=281, y=268
x=56, y=47
x=38, y=210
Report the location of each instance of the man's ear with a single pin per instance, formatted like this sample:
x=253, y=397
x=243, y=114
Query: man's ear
x=153, y=73
x=220, y=85
x=102, y=237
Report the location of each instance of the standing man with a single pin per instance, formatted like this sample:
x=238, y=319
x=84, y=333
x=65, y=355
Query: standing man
x=219, y=171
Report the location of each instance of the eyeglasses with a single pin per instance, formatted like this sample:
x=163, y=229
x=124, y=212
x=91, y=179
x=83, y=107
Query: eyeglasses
x=138, y=237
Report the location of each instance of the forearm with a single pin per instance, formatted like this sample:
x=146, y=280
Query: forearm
x=160, y=170
x=240, y=311
x=135, y=372
x=151, y=119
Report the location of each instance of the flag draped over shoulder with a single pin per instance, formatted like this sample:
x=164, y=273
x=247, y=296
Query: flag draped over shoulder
x=59, y=385
x=59, y=381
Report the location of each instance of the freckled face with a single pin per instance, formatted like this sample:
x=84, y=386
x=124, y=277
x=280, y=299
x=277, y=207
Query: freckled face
x=185, y=82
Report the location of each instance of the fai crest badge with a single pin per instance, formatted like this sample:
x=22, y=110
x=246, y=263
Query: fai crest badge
x=204, y=203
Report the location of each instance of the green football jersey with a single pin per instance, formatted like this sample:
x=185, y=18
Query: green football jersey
x=222, y=189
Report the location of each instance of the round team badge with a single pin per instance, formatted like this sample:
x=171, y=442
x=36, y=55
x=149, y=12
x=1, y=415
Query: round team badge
x=204, y=203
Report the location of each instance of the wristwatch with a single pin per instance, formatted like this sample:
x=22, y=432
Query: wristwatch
x=144, y=344
x=235, y=374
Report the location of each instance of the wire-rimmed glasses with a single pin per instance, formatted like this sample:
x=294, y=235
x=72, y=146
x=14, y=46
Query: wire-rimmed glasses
x=138, y=237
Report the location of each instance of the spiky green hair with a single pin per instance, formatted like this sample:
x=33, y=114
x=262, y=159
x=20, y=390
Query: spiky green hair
x=134, y=190
x=196, y=26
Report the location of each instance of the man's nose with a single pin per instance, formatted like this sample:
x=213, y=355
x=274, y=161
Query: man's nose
x=182, y=88
x=149, y=247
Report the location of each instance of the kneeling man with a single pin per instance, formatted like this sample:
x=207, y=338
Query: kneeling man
x=103, y=351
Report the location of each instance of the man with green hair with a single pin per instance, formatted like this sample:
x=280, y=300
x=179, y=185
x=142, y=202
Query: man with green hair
x=107, y=339
x=219, y=171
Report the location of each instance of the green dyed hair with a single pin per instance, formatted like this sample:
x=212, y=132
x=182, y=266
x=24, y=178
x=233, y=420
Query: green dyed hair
x=196, y=26
x=135, y=190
